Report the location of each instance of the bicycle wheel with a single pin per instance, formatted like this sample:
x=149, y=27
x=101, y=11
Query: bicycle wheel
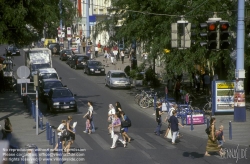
x=137, y=98
x=144, y=103
x=207, y=109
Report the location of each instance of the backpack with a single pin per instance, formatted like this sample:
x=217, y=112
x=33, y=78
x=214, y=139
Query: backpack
x=207, y=130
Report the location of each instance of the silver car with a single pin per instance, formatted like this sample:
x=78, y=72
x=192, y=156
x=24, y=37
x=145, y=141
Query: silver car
x=117, y=79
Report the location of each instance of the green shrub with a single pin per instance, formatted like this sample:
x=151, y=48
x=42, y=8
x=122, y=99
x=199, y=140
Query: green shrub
x=127, y=70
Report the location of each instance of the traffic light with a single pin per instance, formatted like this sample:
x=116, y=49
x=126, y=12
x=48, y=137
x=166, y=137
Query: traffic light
x=203, y=26
x=212, y=36
x=224, y=35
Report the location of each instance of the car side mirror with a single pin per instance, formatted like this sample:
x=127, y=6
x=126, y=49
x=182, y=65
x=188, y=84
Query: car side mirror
x=65, y=86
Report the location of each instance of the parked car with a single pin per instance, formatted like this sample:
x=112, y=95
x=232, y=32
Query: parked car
x=94, y=67
x=117, y=79
x=47, y=73
x=54, y=47
x=65, y=54
x=78, y=61
x=61, y=99
x=46, y=84
x=12, y=50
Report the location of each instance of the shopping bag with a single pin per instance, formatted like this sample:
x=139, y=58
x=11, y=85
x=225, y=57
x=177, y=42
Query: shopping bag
x=169, y=136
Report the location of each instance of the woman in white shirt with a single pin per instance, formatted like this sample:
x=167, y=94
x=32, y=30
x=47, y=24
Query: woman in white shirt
x=60, y=129
x=111, y=114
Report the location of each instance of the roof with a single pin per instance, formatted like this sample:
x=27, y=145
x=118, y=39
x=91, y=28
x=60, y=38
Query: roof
x=47, y=70
x=36, y=49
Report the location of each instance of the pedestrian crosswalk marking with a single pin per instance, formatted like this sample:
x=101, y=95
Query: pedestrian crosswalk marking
x=141, y=141
x=187, y=144
x=82, y=143
x=161, y=141
x=101, y=142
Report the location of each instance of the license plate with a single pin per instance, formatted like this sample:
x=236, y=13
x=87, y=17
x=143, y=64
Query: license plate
x=65, y=107
x=97, y=71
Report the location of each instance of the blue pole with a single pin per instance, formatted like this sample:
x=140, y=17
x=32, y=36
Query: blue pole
x=192, y=126
x=60, y=151
x=47, y=130
x=207, y=122
x=230, y=130
x=87, y=26
x=41, y=120
x=54, y=139
x=48, y=156
x=37, y=154
x=240, y=112
x=50, y=135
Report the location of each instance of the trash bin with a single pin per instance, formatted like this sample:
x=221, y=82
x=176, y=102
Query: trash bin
x=31, y=156
x=133, y=63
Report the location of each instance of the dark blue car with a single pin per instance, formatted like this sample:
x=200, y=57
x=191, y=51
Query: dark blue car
x=46, y=84
x=61, y=99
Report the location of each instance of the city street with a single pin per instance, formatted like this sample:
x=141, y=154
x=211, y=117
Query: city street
x=146, y=147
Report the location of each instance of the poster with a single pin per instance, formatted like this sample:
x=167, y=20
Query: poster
x=224, y=96
x=239, y=99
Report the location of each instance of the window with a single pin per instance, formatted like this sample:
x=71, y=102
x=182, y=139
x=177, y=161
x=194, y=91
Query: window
x=118, y=75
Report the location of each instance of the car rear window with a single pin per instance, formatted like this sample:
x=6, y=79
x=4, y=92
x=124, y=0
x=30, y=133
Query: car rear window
x=118, y=75
x=62, y=93
x=95, y=63
x=83, y=58
x=52, y=84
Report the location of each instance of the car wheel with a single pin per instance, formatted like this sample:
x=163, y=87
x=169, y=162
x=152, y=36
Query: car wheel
x=110, y=86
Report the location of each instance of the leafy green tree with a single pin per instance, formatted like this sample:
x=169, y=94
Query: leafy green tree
x=149, y=22
x=23, y=21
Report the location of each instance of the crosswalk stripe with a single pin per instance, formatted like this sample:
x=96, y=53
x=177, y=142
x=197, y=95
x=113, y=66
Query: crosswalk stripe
x=187, y=144
x=161, y=141
x=97, y=138
x=82, y=143
x=141, y=141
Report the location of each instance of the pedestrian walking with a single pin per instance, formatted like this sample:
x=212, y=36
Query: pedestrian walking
x=158, y=114
x=111, y=114
x=124, y=129
x=118, y=107
x=7, y=130
x=115, y=51
x=212, y=145
x=60, y=130
x=122, y=56
x=112, y=57
x=220, y=136
x=89, y=53
x=71, y=135
x=177, y=88
x=90, y=113
x=96, y=51
x=83, y=46
x=207, y=83
x=88, y=125
x=174, y=126
x=116, y=128
x=167, y=119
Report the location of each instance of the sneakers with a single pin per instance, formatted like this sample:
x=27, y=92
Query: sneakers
x=85, y=131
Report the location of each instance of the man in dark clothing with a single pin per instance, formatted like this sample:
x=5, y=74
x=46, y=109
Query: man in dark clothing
x=158, y=114
x=1, y=79
x=174, y=126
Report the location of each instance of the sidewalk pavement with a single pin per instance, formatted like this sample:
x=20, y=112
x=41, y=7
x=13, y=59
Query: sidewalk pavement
x=23, y=127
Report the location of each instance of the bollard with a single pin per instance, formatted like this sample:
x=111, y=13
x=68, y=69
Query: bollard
x=230, y=130
x=47, y=130
x=182, y=119
x=208, y=122
x=60, y=151
x=33, y=110
x=23, y=159
x=50, y=135
x=54, y=139
x=41, y=121
x=48, y=156
x=192, y=126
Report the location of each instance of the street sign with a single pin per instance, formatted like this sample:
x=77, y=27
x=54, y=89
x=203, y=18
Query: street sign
x=69, y=33
x=59, y=33
x=19, y=81
x=78, y=40
x=23, y=72
x=62, y=34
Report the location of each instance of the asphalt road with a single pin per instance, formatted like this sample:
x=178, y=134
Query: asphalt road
x=146, y=148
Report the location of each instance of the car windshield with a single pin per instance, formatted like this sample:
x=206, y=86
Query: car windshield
x=68, y=52
x=62, y=93
x=95, y=63
x=49, y=76
x=118, y=75
x=82, y=57
x=52, y=84
x=35, y=67
x=52, y=45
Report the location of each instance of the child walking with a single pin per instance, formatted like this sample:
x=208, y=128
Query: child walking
x=220, y=136
x=88, y=125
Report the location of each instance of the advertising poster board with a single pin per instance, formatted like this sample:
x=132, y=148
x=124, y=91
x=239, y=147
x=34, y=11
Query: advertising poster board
x=224, y=96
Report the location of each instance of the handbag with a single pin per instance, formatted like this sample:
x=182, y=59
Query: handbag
x=65, y=133
x=117, y=129
x=169, y=136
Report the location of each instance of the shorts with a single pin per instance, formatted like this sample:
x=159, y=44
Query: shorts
x=71, y=136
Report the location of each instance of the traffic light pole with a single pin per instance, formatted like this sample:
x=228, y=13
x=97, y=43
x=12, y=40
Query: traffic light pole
x=239, y=97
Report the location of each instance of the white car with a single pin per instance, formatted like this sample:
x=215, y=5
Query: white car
x=117, y=79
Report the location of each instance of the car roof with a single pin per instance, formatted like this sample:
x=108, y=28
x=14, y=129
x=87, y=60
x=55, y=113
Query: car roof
x=116, y=71
x=47, y=70
x=80, y=55
x=45, y=80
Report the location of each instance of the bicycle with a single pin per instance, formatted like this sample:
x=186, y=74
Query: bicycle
x=143, y=93
x=207, y=108
x=147, y=101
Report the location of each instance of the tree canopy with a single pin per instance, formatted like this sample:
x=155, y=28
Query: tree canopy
x=149, y=21
x=23, y=21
